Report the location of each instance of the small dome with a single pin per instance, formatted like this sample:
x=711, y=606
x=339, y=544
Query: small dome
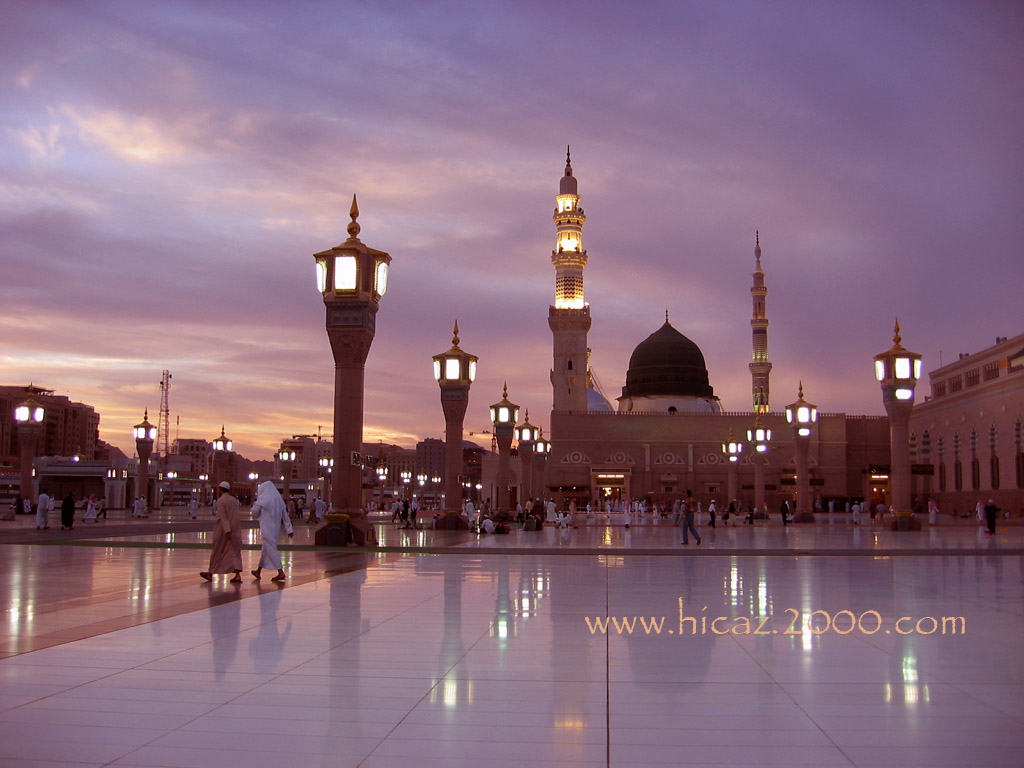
x=667, y=363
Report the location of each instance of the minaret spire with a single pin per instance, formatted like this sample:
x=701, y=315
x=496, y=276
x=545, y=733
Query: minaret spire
x=569, y=316
x=760, y=368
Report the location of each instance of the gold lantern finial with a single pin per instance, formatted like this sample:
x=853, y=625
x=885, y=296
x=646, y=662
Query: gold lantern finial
x=353, y=226
x=455, y=334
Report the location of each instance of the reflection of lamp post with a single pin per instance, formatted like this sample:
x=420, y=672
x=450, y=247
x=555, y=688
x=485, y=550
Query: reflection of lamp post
x=286, y=457
x=802, y=415
x=145, y=434
x=759, y=436
x=29, y=417
x=898, y=371
x=221, y=446
x=527, y=436
x=454, y=372
x=504, y=416
x=352, y=279
x=732, y=451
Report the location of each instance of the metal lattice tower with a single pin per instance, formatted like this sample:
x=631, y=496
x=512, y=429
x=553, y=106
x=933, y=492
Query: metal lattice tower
x=164, y=427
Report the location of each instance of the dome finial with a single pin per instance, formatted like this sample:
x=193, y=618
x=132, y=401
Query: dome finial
x=455, y=334
x=353, y=226
x=896, y=333
x=568, y=161
x=666, y=316
x=757, y=245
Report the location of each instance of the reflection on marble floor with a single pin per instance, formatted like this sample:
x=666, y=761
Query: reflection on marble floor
x=467, y=659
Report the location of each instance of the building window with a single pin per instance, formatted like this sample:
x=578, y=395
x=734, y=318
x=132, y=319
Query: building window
x=973, y=377
x=956, y=383
x=990, y=371
x=939, y=389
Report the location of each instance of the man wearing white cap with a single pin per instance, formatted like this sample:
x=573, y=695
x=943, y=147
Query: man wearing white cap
x=226, y=556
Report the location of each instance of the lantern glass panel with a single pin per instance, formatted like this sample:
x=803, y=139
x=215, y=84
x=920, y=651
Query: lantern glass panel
x=902, y=367
x=503, y=415
x=381, y=278
x=345, y=273
x=472, y=370
x=904, y=394
x=803, y=414
x=437, y=370
x=321, y=276
x=880, y=370
x=451, y=368
x=917, y=369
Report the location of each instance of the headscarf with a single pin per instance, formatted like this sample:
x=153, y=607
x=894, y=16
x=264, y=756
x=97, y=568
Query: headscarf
x=268, y=498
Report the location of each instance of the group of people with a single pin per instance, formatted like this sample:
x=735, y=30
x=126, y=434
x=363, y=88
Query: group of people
x=94, y=509
x=226, y=557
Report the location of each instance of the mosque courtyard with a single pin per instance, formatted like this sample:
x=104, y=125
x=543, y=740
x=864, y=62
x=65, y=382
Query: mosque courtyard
x=824, y=645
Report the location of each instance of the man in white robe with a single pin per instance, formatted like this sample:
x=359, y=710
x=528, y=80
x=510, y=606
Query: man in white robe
x=43, y=507
x=270, y=510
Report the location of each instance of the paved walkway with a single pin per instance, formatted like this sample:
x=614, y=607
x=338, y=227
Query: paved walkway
x=452, y=649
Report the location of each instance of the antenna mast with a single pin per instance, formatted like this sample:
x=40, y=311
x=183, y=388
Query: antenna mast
x=164, y=427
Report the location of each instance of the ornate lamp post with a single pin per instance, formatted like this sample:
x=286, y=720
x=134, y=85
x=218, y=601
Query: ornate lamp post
x=732, y=451
x=406, y=476
x=898, y=370
x=759, y=436
x=542, y=450
x=803, y=416
x=352, y=279
x=454, y=372
x=29, y=417
x=170, y=477
x=145, y=434
x=326, y=464
x=286, y=458
x=504, y=415
x=527, y=436
x=221, y=447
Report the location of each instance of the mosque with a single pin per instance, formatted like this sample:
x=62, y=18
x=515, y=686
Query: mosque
x=666, y=433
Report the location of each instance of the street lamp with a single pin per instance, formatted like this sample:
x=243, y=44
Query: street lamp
x=406, y=476
x=285, y=458
x=898, y=370
x=29, y=416
x=527, y=436
x=504, y=415
x=759, y=436
x=454, y=372
x=542, y=452
x=732, y=450
x=170, y=477
x=352, y=279
x=144, y=434
x=326, y=464
x=803, y=416
x=221, y=447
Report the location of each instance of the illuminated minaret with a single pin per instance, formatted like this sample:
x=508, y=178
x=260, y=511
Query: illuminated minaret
x=760, y=368
x=569, y=318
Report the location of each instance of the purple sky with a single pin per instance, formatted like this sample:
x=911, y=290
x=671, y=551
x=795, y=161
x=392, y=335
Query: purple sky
x=168, y=170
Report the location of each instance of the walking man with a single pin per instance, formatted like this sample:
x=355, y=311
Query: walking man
x=270, y=510
x=43, y=507
x=226, y=556
x=689, y=510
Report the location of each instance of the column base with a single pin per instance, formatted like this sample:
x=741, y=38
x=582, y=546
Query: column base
x=342, y=530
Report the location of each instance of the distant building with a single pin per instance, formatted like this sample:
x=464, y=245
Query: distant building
x=969, y=432
x=197, y=451
x=69, y=428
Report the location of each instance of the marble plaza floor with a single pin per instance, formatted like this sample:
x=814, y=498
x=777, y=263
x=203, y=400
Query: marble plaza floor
x=808, y=645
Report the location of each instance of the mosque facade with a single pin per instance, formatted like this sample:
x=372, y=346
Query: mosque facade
x=666, y=432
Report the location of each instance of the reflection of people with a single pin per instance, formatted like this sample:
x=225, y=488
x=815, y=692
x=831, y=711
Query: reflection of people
x=226, y=556
x=270, y=510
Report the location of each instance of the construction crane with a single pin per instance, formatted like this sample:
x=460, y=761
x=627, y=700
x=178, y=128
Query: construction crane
x=164, y=427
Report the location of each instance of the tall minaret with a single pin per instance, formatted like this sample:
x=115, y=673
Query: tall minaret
x=569, y=317
x=760, y=368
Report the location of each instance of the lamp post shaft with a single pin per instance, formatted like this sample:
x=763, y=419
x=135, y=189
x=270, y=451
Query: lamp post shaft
x=759, y=462
x=732, y=482
x=28, y=441
x=145, y=449
x=803, y=484
x=503, y=436
x=899, y=446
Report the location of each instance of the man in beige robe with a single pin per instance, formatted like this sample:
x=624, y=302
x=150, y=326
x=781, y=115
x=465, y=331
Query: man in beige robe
x=226, y=556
